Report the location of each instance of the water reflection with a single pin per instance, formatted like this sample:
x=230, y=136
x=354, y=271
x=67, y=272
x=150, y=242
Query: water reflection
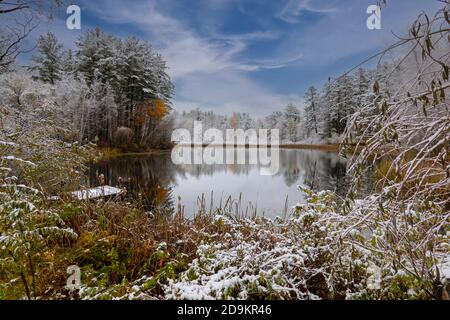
x=158, y=182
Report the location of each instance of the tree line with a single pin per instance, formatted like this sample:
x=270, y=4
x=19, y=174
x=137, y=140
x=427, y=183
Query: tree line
x=124, y=89
x=322, y=117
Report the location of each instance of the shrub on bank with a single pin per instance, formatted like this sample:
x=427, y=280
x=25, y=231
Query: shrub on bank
x=318, y=253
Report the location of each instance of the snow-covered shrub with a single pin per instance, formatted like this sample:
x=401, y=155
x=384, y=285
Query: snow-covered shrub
x=318, y=253
x=36, y=123
x=404, y=133
x=123, y=136
x=27, y=231
x=34, y=161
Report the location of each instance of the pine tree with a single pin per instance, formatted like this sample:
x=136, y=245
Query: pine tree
x=342, y=104
x=246, y=121
x=135, y=74
x=363, y=94
x=292, y=121
x=275, y=121
x=49, y=59
x=68, y=64
x=95, y=55
x=311, y=112
x=326, y=126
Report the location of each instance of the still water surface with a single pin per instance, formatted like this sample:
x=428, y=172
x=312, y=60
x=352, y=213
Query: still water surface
x=156, y=180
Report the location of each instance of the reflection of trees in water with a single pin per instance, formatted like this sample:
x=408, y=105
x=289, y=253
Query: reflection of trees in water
x=328, y=171
x=321, y=170
x=147, y=178
x=291, y=163
x=150, y=177
x=199, y=170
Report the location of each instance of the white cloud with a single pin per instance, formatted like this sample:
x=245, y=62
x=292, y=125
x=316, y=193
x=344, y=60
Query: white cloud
x=184, y=51
x=206, y=70
x=256, y=65
x=229, y=91
x=344, y=33
x=293, y=9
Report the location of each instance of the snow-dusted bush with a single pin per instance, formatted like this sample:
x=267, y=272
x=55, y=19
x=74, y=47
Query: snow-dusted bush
x=34, y=161
x=317, y=254
x=28, y=229
x=404, y=134
x=123, y=136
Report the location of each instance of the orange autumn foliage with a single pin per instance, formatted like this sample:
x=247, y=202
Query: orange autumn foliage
x=157, y=110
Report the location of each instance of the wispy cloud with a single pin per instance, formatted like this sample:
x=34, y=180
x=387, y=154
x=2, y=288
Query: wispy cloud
x=185, y=51
x=344, y=34
x=206, y=69
x=227, y=92
x=293, y=9
x=256, y=65
x=233, y=55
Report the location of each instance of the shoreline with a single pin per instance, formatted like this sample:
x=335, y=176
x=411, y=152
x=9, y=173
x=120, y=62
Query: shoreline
x=324, y=147
x=329, y=147
x=112, y=153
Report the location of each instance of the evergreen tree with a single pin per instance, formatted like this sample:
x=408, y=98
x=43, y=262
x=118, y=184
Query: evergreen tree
x=326, y=127
x=342, y=103
x=96, y=58
x=133, y=72
x=245, y=121
x=68, y=64
x=311, y=112
x=49, y=59
x=291, y=124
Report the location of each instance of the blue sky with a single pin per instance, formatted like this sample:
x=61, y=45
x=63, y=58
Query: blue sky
x=248, y=55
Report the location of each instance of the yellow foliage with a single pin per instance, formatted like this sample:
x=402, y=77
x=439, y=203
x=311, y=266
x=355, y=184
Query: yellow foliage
x=158, y=110
x=234, y=121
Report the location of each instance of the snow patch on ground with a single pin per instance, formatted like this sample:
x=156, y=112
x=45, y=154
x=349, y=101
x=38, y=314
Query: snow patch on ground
x=103, y=191
x=445, y=267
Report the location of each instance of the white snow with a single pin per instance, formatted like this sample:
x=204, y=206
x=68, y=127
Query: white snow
x=445, y=266
x=93, y=193
x=12, y=158
x=5, y=143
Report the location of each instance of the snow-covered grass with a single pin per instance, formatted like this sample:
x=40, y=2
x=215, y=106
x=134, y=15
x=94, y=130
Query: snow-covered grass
x=319, y=253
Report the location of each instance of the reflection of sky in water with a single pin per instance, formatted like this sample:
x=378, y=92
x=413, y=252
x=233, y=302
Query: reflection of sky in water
x=268, y=193
x=147, y=174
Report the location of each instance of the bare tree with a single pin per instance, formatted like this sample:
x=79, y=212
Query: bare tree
x=405, y=137
x=19, y=18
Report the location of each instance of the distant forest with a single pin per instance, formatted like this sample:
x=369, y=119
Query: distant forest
x=324, y=115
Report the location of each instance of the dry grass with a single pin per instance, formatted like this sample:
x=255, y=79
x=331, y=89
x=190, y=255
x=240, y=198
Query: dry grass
x=117, y=242
x=427, y=172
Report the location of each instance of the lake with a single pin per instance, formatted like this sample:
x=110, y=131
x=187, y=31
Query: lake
x=155, y=180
